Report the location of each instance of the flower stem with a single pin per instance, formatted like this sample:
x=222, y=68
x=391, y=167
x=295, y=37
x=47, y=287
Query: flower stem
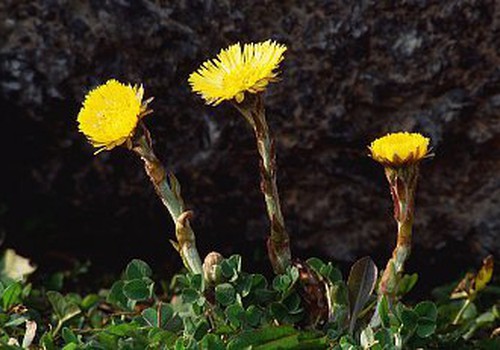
x=461, y=312
x=168, y=189
x=402, y=183
x=278, y=244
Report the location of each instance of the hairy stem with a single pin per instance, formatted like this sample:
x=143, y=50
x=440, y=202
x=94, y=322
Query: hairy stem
x=278, y=244
x=168, y=189
x=402, y=183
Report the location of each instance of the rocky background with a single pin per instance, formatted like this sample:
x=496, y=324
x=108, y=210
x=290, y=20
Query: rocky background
x=354, y=70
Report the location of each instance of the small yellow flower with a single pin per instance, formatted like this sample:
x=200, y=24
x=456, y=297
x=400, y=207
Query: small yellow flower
x=237, y=70
x=110, y=114
x=399, y=149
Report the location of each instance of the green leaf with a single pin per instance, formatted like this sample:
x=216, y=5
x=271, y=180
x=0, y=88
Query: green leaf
x=122, y=330
x=190, y=295
x=70, y=346
x=47, y=342
x=227, y=270
x=407, y=283
x=158, y=316
x=332, y=273
x=253, y=315
x=235, y=261
x=263, y=296
x=427, y=313
x=225, y=294
x=137, y=289
x=235, y=314
x=316, y=264
x=281, y=283
x=486, y=319
x=63, y=309
x=292, y=302
x=470, y=312
x=68, y=336
x=244, y=285
x=186, y=343
x=283, y=337
x=202, y=328
x=106, y=341
x=230, y=268
x=197, y=282
x=279, y=312
x=383, y=311
x=361, y=282
x=212, y=342
x=385, y=338
x=409, y=319
x=16, y=320
x=89, y=301
x=117, y=297
x=160, y=339
x=269, y=336
x=259, y=282
x=150, y=315
x=426, y=309
x=347, y=343
x=137, y=269
x=426, y=327
x=166, y=314
x=11, y=296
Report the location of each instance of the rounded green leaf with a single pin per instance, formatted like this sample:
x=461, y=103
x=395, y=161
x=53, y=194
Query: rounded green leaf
x=426, y=327
x=225, y=294
x=150, y=315
x=190, y=295
x=409, y=319
x=235, y=313
x=116, y=295
x=137, y=269
x=426, y=309
x=136, y=289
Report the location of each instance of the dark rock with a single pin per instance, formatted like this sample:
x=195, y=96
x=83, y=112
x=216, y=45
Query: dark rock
x=353, y=71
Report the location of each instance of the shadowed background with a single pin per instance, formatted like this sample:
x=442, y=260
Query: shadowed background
x=354, y=70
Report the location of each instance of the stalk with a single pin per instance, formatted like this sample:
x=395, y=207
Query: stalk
x=402, y=182
x=168, y=189
x=461, y=312
x=278, y=243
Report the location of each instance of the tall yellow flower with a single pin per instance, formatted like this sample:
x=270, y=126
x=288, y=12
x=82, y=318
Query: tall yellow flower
x=399, y=149
x=110, y=114
x=237, y=70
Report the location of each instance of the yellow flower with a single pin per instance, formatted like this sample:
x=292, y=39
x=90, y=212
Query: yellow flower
x=399, y=149
x=237, y=70
x=110, y=114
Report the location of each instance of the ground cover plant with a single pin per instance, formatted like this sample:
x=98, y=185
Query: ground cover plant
x=219, y=303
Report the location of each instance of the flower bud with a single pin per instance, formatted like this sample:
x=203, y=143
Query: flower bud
x=210, y=271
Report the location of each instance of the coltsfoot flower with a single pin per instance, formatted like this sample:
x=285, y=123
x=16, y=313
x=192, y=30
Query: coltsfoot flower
x=236, y=70
x=399, y=149
x=110, y=114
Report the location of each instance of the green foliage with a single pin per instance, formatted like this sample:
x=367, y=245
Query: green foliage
x=240, y=311
x=360, y=284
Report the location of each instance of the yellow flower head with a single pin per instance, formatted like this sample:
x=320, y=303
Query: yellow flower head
x=110, y=114
x=237, y=70
x=399, y=149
